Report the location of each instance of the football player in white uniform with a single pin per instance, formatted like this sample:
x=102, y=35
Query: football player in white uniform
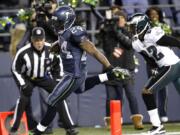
x=152, y=44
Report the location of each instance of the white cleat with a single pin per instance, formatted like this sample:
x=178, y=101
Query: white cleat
x=157, y=130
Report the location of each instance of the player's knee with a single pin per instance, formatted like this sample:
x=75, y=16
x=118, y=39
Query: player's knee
x=52, y=101
x=146, y=91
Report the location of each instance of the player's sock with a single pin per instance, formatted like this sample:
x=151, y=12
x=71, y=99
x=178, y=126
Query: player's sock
x=41, y=127
x=149, y=101
x=152, y=109
x=154, y=117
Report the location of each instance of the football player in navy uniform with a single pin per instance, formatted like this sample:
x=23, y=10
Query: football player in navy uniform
x=73, y=46
x=153, y=45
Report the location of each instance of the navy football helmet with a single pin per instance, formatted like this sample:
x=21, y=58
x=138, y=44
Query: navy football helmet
x=63, y=18
x=138, y=24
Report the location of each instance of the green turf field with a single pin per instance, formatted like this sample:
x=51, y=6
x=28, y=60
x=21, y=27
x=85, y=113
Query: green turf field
x=172, y=129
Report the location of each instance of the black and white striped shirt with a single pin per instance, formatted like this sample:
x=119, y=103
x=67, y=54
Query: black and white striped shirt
x=33, y=64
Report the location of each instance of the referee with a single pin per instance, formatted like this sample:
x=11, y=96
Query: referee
x=34, y=66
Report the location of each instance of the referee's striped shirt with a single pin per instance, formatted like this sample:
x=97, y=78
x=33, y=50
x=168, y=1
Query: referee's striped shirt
x=33, y=64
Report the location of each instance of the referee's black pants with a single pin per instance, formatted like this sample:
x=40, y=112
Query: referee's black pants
x=25, y=95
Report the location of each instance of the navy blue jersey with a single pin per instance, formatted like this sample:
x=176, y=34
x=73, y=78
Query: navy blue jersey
x=73, y=57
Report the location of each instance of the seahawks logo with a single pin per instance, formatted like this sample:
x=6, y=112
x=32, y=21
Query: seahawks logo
x=67, y=15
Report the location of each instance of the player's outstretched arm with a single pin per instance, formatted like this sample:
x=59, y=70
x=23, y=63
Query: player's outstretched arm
x=125, y=41
x=90, y=48
x=169, y=41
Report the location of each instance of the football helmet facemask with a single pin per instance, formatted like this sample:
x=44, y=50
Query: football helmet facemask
x=63, y=18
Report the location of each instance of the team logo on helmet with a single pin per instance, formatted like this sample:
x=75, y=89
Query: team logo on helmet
x=138, y=24
x=63, y=18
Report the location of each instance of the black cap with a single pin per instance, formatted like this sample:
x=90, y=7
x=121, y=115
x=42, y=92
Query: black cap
x=38, y=33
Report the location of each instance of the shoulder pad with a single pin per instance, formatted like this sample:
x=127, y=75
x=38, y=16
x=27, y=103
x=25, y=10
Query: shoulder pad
x=78, y=30
x=154, y=34
x=78, y=33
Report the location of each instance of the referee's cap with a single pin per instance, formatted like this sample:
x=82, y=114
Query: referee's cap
x=38, y=33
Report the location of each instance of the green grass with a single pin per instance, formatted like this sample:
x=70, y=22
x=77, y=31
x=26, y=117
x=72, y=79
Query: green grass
x=127, y=129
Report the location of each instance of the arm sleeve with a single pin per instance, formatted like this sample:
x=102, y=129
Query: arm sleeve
x=125, y=41
x=16, y=69
x=168, y=41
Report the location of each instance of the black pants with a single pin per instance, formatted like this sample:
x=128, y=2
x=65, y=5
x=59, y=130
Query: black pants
x=115, y=92
x=161, y=94
x=25, y=94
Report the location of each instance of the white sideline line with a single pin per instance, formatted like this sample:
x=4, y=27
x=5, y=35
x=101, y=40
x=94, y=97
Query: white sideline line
x=167, y=133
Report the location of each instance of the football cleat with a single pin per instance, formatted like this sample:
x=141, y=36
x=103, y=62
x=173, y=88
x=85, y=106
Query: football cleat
x=37, y=132
x=13, y=131
x=157, y=130
x=72, y=131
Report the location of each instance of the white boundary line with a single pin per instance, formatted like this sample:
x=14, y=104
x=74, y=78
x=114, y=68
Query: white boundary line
x=167, y=133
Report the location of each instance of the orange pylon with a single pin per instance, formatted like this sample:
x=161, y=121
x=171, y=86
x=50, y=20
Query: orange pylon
x=6, y=120
x=115, y=112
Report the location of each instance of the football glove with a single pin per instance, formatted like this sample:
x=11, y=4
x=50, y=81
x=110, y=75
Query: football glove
x=120, y=73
